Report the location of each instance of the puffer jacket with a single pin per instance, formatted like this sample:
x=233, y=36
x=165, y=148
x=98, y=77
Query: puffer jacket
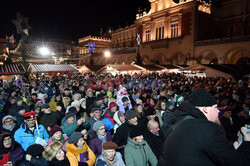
x=25, y=137
x=73, y=154
x=139, y=154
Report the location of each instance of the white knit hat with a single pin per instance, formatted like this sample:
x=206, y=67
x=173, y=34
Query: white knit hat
x=7, y=117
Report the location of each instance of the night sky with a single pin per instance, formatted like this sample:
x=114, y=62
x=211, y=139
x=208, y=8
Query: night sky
x=69, y=20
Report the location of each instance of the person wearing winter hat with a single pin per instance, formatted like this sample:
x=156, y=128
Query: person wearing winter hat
x=78, y=152
x=31, y=132
x=110, y=111
x=110, y=156
x=8, y=125
x=56, y=134
x=69, y=123
x=55, y=155
x=149, y=114
x=48, y=118
x=10, y=151
x=121, y=135
x=95, y=116
x=34, y=156
x=137, y=150
x=126, y=105
x=99, y=137
x=201, y=132
x=18, y=115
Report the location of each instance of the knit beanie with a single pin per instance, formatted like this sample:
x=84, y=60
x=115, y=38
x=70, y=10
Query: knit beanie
x=95, y=109
x=73, y=139
x=130, y=114
x=202, y=98
x=68, y=115
x=135, y=131
x=109, y=145
x=35, y=150
x=97, y=125
x=54, y=129
x=112, y=104
x=149, y=111
x=51, y=150
x=169, y=104
x=124, y=99
x=7, y=117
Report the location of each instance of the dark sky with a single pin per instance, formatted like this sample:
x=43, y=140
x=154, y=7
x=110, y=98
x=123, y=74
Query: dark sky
x=69, y=19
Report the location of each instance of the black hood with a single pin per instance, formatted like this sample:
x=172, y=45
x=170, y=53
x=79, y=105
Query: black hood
x=191, y=110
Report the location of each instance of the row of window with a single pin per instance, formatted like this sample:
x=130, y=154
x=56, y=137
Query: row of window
x=159, y=32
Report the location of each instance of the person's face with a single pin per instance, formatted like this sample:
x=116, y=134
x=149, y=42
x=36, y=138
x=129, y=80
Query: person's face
x=102, y=130
x=71, y=120
x=90, y=94
x=78, y=97
x=80, y=142
x=99, y=102
x=33, y=97
x=30, y=122
x=85, y=134
x=60, y=155
x=114, y=109
x=13, y=101
x=58, y=98
x=163, y=105
x=155, y=130
x=97, y=114
x=83, y=103
x=20, y=102
x=21, y=111
x=122, y=118
x=9, y=122
x=7, y=141
x=138, y=138
x=212, y=113
x=37, y=111
x=227, y=114
x=133, y=121
x=126, y=102
x=110, y=154
x=139, y=108
x=57, y=135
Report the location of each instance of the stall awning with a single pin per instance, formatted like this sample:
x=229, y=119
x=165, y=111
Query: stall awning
x=52, y=68
x=124, y=67
x=12, y=69
x=152, y=67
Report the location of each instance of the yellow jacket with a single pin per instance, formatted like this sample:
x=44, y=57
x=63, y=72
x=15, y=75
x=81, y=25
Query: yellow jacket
x=73, y=154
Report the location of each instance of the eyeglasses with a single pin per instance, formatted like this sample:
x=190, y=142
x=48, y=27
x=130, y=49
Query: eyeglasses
x=31, y=120
x=8, y=121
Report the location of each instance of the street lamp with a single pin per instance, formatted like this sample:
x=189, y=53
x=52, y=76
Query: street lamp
x=44, y=51
x=107, y=54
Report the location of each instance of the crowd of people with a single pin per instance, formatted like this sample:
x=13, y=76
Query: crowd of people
x=134, y=120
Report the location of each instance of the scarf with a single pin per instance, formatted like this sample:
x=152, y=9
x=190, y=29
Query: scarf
x=10, y=128
x=61, y=140
x=102, y=138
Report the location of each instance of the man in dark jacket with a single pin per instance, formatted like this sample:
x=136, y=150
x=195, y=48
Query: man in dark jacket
x=121, y=135
x=154, y=137
x=199, y=141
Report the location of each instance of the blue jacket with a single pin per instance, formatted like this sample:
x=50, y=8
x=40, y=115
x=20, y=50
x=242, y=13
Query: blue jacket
x=25, y=137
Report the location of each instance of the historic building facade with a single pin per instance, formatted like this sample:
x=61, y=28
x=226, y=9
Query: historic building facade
x=188, y=32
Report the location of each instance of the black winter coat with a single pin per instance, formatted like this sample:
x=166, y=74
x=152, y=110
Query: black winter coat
x=197, y=141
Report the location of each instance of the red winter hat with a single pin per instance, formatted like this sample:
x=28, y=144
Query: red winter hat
x=143, y=92
x=28, y=115
x=55, y=129
x=112, y=104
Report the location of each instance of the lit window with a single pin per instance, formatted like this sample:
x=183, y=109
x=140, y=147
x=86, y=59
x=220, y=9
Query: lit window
x=175, y=30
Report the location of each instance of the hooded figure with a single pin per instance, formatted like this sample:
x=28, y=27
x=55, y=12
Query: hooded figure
x=117, y=117
x=10, y=151
x=78, y=151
